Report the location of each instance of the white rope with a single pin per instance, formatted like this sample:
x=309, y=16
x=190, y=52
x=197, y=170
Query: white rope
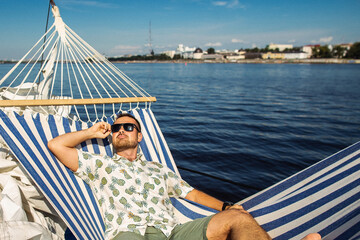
x=23, y=69
x=37, y=60
x=123, y=76
x=76, y=71
x=23, y=58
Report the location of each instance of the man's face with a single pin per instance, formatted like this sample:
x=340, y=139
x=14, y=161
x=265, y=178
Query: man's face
x=123, y=140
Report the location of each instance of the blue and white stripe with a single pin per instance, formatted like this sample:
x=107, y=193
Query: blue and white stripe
x=323, y=198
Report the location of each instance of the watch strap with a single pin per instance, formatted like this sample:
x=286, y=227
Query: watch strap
x=225, y=204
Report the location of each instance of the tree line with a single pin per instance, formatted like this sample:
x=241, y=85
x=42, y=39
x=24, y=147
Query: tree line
x=318, y=52
x=337, y=52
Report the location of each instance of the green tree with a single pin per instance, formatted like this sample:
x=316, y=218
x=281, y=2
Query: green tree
x=177, y=56
x=321, y=52
x=338, y=52
x=211, y=51
x=354, y=51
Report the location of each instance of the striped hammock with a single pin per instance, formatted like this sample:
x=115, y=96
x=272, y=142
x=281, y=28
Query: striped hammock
x=75, y=86
x=323, y=198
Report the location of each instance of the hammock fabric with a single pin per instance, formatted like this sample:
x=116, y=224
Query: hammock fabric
x=323, y=198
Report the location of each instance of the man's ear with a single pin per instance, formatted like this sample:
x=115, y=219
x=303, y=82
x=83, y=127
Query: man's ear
x=140, y=136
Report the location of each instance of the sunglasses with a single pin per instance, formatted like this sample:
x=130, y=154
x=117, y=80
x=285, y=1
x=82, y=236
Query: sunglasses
x=129, y=127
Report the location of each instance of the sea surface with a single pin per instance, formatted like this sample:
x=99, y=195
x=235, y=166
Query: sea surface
x=235, y=129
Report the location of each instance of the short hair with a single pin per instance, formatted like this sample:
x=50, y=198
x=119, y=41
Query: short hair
x=120, y=115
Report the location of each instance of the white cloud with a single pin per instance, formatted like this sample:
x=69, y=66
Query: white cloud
x=228, y=4
x=234, y=40
x=217, y=44
x=323, y=40
x=292, y=41
x=253, y=45
x=326, y=39
x=219, y=3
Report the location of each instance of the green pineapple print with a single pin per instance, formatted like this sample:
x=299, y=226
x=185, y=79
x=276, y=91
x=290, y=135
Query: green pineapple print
x=91, y=176
x=148, y=186
x=124, y=202
x=130, y=190
x=157, y=181
x=103, y=183
x=126, y=175
x=155, y=200
x=101, y=201
x=178, y=192
x=171, y=174
x=152, y=210
x=120, y=218
x=115, y=192
x=161, y=191
x=109, y=216
x=99, y=163
x=108, y=170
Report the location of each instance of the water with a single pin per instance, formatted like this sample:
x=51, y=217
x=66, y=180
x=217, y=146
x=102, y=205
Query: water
x=248, y=126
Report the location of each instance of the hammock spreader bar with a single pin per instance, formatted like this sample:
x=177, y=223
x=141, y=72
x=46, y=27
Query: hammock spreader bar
x=66, y=102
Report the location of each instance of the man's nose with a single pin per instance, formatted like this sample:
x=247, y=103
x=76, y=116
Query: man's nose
x=121, y=130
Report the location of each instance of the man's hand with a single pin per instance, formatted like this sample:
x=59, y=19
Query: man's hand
x=63, y=146
x=100, y=130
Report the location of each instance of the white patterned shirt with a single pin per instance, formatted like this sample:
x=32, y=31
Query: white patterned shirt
x=132, y=195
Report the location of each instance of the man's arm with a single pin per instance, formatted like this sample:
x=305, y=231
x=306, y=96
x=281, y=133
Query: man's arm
x=63, y=146
x=209, y=201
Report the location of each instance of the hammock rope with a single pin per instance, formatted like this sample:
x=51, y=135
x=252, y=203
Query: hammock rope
x=76, y=81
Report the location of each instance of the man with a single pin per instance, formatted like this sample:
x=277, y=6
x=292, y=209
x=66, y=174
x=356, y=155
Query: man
x=134, y=194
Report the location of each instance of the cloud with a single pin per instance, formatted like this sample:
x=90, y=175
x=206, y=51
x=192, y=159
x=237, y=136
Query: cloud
x=228, y=4
x=326, y=39
x=323, y=40
x=292, y=41
x=219, y=3
x=217, y=44
x=234, y=40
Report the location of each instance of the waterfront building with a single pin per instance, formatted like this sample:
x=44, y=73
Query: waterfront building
x=213, y=57
x=198, y=53
x=271, y=55
x=295, y=55
x=308, y=49
x=185, y=52
x=235, y=57
x=281, y=47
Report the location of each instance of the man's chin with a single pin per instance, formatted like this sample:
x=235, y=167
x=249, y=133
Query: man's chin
x=124, y=146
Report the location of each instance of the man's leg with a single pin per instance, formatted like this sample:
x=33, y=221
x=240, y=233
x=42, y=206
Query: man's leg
x=234, y=224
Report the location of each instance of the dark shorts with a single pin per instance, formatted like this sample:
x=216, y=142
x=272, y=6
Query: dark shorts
x=193, y=230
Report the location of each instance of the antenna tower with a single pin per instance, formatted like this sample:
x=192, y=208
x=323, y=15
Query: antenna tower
x=150, y=41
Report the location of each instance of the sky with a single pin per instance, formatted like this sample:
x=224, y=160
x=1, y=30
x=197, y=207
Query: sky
x=118, y=27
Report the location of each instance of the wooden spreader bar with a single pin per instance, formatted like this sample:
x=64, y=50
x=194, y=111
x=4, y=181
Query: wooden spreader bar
x=65, y=102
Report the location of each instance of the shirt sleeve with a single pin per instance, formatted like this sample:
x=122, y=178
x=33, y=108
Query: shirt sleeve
x=177, y=187
x=86, y=166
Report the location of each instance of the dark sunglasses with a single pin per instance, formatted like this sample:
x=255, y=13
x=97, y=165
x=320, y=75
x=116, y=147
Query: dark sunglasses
x=129, y=127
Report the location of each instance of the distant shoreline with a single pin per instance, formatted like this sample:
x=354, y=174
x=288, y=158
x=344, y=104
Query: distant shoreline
x=243, y=61
x=256, y=61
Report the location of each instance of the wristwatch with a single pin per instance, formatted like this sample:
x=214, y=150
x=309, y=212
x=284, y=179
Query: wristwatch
x=226, y=204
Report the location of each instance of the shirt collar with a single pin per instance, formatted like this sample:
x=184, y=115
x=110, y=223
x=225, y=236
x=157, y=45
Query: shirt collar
x=117, y=157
